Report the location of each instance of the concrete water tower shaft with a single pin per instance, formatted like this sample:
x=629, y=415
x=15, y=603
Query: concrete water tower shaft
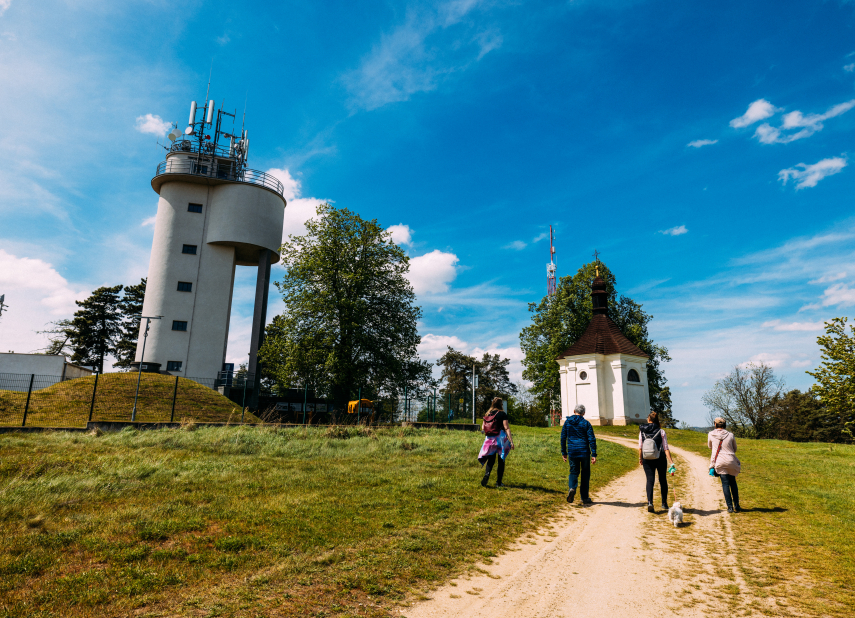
x=213, y=215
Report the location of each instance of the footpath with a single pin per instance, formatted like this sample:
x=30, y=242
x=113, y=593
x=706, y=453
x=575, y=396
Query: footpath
x=612, y=558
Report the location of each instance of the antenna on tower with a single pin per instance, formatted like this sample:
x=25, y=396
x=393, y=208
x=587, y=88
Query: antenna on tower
x=550, y=268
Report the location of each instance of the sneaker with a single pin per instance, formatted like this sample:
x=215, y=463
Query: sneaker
x=500, y=486
x=650, y=508
x=737, y=509
x=587, y=501
x=484, y=481
x=570, y=495
x=664, y=507
x=730, y=509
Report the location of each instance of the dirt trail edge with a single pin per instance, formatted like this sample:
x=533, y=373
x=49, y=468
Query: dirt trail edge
x=612, y=558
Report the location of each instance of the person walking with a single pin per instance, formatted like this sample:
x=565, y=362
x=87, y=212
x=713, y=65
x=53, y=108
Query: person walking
x=652, y=451
x=578, y=444
x=497, y=441
x=723, y=462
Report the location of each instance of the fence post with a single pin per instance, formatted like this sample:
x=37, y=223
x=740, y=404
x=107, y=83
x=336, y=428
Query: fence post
x=92, y=404
x=305, y=397
x=29, y=392
x=243, y=401
x=174, y=397
x=358, y=403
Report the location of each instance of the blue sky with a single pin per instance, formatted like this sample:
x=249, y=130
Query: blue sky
x=702, y=149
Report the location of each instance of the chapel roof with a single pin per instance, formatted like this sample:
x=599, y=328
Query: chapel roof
x=602, y=335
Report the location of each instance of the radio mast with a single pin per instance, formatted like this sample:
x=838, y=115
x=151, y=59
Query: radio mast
x=550, y=268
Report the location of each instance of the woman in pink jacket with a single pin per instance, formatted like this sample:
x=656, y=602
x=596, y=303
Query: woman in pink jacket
x=724, y=462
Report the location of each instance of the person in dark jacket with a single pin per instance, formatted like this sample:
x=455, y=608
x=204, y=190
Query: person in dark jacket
x=578, y=444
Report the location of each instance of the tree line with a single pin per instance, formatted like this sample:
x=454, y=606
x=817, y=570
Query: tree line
x=755, y=404
x=107, y=324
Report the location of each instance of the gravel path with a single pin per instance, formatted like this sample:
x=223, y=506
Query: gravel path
x=611, y=559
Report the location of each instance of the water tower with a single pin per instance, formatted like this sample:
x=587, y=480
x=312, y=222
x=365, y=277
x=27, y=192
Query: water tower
x=214, y=214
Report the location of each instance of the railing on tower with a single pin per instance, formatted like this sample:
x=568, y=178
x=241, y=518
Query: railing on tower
x=223, y=169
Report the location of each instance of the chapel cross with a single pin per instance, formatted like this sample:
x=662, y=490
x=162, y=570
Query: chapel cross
x=596, y=255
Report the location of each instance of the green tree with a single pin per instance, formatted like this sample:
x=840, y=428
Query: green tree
x=131, y=310
x=835, y=377
x=558, y=322
x=746, y=399
x=493, y=378
x=59, y=335
x=96, y=327
x=349, y=318
x=802, y=417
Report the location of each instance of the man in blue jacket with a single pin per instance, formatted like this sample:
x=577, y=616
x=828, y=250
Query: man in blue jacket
x=578, y=444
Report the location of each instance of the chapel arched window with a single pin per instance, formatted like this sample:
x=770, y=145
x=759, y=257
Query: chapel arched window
x=632, y=376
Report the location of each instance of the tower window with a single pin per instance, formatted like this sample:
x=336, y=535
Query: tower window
x=185, y=286
x=189, y=249
x=179, y=325
x=194, y=207
x=632, y=376
x=173, y=365
x=583, y=375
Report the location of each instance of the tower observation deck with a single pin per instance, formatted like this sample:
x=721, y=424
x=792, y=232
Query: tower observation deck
x=213, y=215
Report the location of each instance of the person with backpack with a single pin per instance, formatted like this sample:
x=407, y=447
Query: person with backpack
x=652, y=449
x=578, y=444
x=497, y=441
x=723, y=462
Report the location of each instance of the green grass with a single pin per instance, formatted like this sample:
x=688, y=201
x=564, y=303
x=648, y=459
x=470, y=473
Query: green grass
x=799, y=519
x=255, y=521
x=67, y=404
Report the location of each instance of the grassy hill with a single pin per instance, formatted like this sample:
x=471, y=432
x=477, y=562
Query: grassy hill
x=796, y=534
x=256, y=521
x=67, y=404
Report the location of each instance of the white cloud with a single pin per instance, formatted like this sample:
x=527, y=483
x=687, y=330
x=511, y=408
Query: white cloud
x=432, y=272
x=517, y=245
x=809, y=175
x=152, y=124
x=768, y=359
x=541, y=236
x=418, y=54
x=807, y=125
x=801, y=363
x=298, y=209
x=828, y=278
x=838, y=294
x=4, y=4
x=849, y=68
x=674, y=231
x=223, y=40
x=757, y=111
x=794, y=326
x=433, y=346
x=401, y=234
x=150, y=221
x=36, y=294
x=698, y=143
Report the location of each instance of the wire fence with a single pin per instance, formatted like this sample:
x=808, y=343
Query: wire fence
x=51, y=401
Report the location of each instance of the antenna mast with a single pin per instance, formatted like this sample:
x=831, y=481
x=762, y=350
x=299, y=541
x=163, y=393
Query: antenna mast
x=550, y=268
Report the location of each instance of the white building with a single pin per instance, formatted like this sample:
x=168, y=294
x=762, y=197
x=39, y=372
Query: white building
x=44, y=366
x=213, y=215
x=604, y=371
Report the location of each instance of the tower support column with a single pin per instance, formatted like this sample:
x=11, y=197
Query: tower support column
x=259, y=319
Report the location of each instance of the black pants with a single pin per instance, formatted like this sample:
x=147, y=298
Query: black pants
x=731, y=491
x=580, y=466
x=500, y=471
x=651, y=467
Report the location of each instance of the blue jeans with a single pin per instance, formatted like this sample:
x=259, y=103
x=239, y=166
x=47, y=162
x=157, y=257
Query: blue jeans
x=731, y=491
x=580, y=465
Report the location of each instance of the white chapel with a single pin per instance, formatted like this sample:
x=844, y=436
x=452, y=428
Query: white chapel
x=604, y=371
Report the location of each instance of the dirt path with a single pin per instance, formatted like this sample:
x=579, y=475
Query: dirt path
x=611, y=559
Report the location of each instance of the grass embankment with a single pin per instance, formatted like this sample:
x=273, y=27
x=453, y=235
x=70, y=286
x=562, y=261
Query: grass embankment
x=67, y=404
x=253, y=521
x=799, y=517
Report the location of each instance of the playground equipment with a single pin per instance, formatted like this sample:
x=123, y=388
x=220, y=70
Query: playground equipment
x=361, y=407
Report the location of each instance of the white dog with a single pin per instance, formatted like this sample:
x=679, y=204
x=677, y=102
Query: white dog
x=675, y=514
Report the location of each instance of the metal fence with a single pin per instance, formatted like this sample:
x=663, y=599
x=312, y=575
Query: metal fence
x=50, y=401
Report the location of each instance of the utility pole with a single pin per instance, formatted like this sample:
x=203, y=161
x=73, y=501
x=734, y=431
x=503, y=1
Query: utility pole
x=148, y=320
x=474, y=386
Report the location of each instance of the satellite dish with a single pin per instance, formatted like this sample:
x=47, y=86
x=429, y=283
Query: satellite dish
x=188, y=131
x=174, y=135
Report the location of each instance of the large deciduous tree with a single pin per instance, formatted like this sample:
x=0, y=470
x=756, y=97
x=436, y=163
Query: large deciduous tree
x=559, y=321
x=835, y=377
x=349, y=319
x=746, y=398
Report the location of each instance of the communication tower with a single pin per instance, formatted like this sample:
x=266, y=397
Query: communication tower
x=550, y=268
x=214, y=214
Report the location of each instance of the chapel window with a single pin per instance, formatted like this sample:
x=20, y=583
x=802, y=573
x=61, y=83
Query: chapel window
x=632, y=376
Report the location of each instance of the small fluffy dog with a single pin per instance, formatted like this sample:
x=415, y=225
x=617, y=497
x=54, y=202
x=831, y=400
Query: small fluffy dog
x=675, y=514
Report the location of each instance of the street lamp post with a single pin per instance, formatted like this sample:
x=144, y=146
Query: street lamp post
x=148, y=320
